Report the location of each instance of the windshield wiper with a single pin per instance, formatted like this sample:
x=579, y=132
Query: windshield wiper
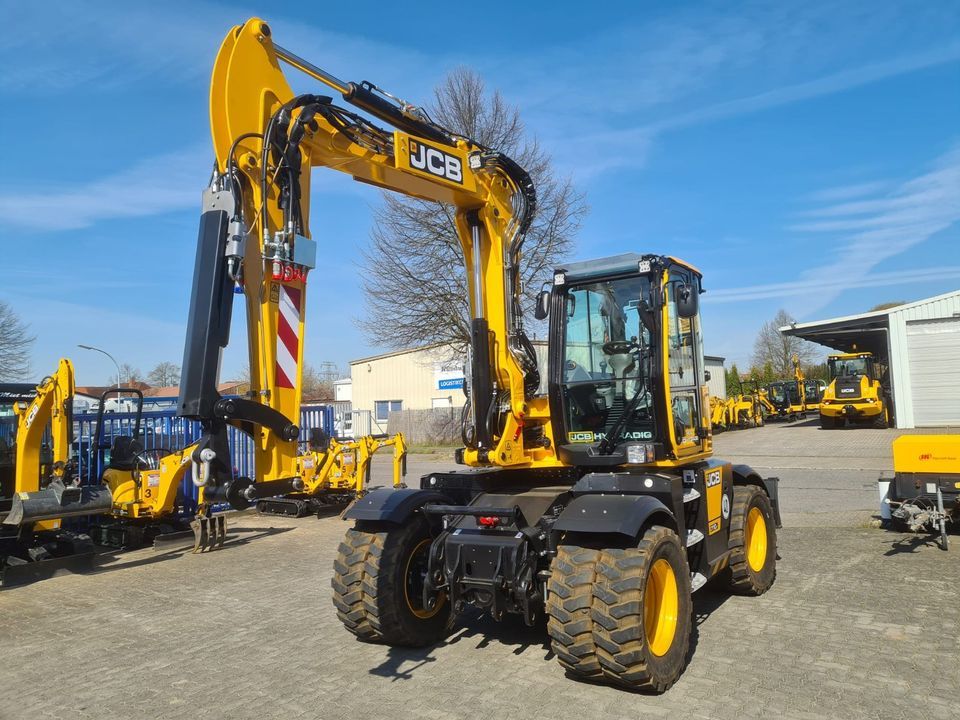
x=609, y=442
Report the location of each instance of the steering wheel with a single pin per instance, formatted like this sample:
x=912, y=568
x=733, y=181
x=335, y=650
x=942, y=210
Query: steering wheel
x=619, y=347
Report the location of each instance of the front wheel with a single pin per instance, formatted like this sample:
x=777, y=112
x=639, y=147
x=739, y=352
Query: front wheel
x=378, y=586
x=830, y=423
x=641, y=612
x=752, y=542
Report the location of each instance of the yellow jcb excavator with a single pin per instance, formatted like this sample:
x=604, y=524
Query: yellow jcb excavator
x=335, y=472
x=598, y=504
x=42, y=488
x=144, y=485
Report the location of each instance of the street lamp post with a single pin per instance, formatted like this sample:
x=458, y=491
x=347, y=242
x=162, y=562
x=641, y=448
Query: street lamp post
x=96, y=349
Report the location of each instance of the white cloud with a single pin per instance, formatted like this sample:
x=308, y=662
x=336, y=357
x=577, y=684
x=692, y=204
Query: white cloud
x=833, y=286
x=849, y=192
x=151, y=187
x=865, y=233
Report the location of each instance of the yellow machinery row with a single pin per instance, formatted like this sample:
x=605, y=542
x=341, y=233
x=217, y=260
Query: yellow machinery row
x=135, y=500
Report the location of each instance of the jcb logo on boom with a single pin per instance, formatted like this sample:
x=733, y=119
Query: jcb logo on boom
x=436, y=162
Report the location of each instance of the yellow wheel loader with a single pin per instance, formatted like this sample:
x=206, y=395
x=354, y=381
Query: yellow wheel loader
x=855, y=393
x=598, y=504
x=335, y=472
x=41, y=487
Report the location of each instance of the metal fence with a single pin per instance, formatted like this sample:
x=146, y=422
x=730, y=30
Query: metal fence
x=163, y=430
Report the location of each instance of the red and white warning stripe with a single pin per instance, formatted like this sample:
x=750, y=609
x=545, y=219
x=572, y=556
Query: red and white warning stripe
x=288, y=336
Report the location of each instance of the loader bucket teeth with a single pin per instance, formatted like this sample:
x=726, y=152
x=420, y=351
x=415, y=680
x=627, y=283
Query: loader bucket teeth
x=199, y=527
x=208, y=533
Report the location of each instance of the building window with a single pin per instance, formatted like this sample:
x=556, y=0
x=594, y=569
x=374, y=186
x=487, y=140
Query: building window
x=383, y=408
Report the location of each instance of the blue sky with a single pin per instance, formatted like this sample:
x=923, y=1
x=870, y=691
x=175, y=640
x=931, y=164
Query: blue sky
x=804, y=155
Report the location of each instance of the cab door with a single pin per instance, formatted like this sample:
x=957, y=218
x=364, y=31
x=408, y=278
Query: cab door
x=688, y=394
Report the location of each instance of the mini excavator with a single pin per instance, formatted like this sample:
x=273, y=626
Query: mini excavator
x=335, y=472
x=598, y=504
x=41, y=487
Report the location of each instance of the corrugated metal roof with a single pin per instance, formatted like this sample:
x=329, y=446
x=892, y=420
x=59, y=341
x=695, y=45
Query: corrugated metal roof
x=867, y=331
x=953, y=295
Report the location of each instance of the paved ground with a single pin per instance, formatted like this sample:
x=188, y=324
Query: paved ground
x=861, y=623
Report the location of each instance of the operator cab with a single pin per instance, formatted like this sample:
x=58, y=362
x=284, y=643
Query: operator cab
x=626, y=361
x=852, y=366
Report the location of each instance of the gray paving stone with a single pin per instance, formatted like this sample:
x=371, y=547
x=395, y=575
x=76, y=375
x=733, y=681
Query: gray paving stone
x=861, y=623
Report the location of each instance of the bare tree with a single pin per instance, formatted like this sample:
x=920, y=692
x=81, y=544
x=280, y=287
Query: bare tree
x=413, y=276
x=15, y=344
x=130, y=375
x=164, y=374
x=887, y=305
x=315, y=385
x=778, y=349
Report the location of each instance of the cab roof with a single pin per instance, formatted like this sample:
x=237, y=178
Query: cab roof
x=623, y=264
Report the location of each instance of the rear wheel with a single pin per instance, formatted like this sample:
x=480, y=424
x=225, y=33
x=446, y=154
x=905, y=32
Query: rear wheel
x=753, y=542
x=378, y=586
x=569, y=597
x=642, y=612
x=883, y=419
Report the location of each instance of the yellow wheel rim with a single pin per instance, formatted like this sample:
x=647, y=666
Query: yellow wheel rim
x=660, y=607
x=413, y=582
x=756, y=540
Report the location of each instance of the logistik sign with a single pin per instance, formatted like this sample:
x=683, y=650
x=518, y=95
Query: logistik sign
x=450, y=384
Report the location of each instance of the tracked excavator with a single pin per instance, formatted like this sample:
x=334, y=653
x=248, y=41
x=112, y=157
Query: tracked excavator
x=334, y=472
x=599, y=504
x=144, y=484
x=41, y=487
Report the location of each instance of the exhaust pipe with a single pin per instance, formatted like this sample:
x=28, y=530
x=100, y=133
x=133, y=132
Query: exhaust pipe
x=59, y=501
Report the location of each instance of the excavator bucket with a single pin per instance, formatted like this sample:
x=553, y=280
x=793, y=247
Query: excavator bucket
x=208, y=532
x=50, y=555
x=58, y=501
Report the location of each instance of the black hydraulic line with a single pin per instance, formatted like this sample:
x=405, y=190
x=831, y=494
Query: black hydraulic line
x=364, y=97
x=232, y=168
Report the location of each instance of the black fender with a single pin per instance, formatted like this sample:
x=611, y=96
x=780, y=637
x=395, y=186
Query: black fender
x=392, y=505
x=622, y=514
x=746, y=475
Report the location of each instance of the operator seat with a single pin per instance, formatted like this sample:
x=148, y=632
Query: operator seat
x=123, y=452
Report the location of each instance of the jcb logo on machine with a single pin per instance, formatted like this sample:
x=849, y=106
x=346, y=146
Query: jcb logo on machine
x=33, y=413
x=435, y=161
x=713, y=527
x=713, y=478
x=583, y=436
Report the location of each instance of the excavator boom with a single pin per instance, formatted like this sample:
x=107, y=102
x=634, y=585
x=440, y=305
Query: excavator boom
x=255, y=239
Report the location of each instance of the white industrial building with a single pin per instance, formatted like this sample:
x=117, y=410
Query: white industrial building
x=718, y=375
x=920, y=344
x=432, y=377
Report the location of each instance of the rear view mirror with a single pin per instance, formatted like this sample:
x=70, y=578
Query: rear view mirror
x=688, y=301
x=542, y=308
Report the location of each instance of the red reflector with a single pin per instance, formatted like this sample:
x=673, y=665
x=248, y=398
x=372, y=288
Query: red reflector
x=488, y=521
